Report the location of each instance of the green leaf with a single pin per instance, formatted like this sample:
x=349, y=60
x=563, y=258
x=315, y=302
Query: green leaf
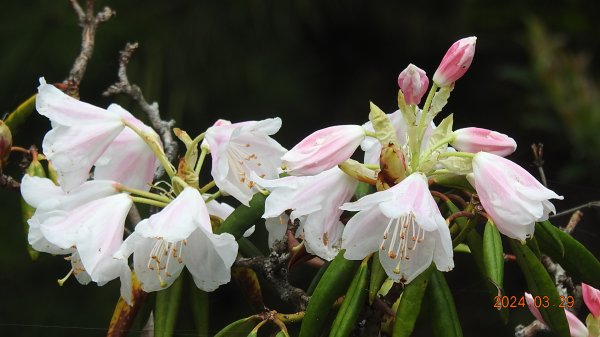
x=200, y=308
x=535, y=248
x=541, y=284
x=363, y=189
x=345, y=321
x=452, y=181
x=317, y=278
x=577, y=260
x=241, y=327
x=493, y=254
x=457, y=165
x=166, y=309
x=439, y=101
x=544, y=232
x=475, y=243
x=332, y=285
x=20, y=114
x=385, y=131
x=410, y=304
x=444, y=319
x=243, y=217
x=378, y=276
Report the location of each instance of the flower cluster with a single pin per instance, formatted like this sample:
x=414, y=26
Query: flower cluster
x=106, y=159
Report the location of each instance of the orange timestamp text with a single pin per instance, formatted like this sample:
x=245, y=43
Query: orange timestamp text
x=538, y=301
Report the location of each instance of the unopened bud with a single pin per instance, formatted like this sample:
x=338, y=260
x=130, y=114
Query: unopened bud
x=474, y=140
x=414, y=83
x=393, y=166
x=5, y=143
x=456, y=62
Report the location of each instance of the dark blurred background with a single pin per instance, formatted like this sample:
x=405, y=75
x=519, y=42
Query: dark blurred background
x=314, y=64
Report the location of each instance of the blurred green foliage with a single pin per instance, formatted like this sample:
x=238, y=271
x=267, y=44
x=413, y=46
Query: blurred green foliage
x=314, y=63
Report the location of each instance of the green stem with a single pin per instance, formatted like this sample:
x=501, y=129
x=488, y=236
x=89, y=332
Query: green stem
x=290, y=318
x=421, y=127
x=437, y=145
x=154, y=146
x=370, y=134
x=145, y=194
x=212, y=197
x=200, y=161
x=179, y=181
x=456, y=154
x=194, y=144
x=208, y=186
x=150, y=202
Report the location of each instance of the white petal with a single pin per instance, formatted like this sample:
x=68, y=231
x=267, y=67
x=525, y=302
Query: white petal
x=209, y=257
x=277, y=227
x=155, y=277
x=363, y=233
x=443, y=253
x=219, y=209
x=419, y=260
x=37, y=191
x=323, y=243
x=178, y=220
x=126, y=154
x=65, y=110
x=101, y=235
x=74, y=150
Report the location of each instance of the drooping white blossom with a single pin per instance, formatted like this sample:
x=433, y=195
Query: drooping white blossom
x=404, y=224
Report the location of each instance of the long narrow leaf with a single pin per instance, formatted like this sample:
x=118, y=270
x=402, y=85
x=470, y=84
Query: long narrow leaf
x=541, y=284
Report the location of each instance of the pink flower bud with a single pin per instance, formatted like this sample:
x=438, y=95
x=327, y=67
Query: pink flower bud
x=414, y=83
x=474, y=140
x=323, y=149
x=511, y=196
x=456, y=62
x=591, y=297
x=5, y=143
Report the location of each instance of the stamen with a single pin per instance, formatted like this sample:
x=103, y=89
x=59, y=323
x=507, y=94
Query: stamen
x=391, y=253
x=62, y=281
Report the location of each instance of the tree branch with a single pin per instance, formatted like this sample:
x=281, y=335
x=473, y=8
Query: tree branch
x=123, y=86
x=89, y=21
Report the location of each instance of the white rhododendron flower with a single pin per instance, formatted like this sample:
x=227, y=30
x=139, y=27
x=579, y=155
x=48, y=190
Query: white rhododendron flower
x=87, y=223
x=177, y=236
x=404, y=224
x=84, y=135
x=238, y=150
x=315, y=200
x=510, y=195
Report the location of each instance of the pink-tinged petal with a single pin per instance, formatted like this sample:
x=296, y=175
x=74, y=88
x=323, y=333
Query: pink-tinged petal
x=178, y=219
x=456, y=62
x=474, y=140
x=67, y=111
x=101, y=236
x=315, y=199
x=414, y=83
x=363, y=233
x=209, y=257
x=533, y=308
x=74, y=150
x=510, y=195
x=576, y=327
x=323, y=149
x=591, y=297
x=126, y=154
